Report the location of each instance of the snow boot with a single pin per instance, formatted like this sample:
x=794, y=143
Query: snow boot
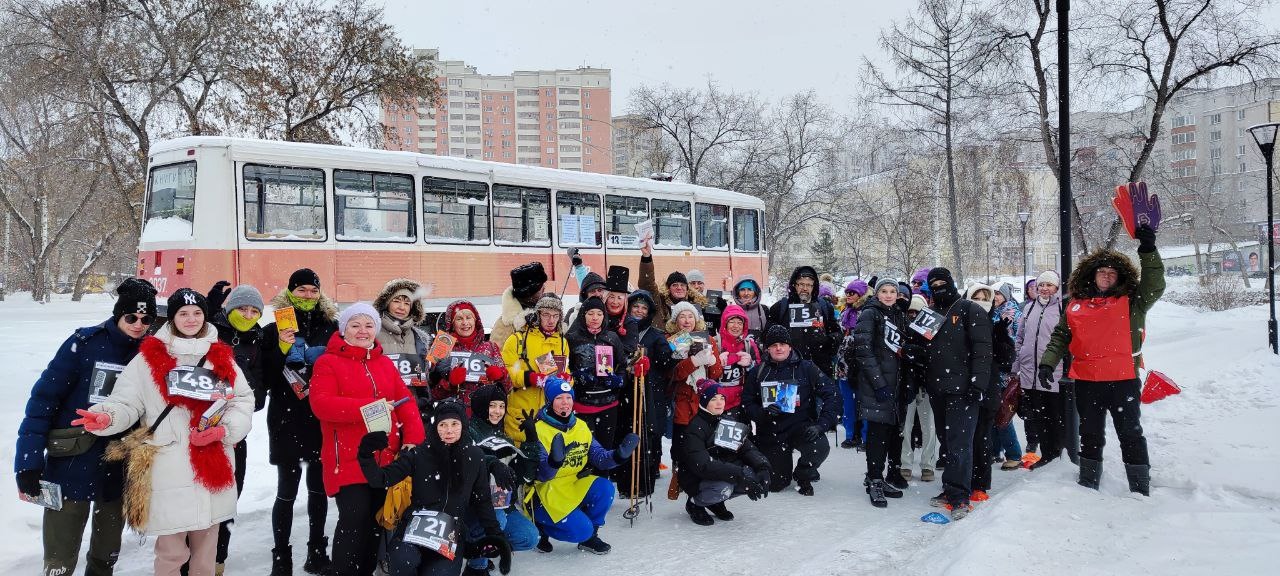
x=1011, y=464
x=847, y=444
x=906, y=473
x=926, y=475
x=698, y=513
x=804, y=487
x=959, y=512
x=896, y=478
x=317, y=559
x=721, y=512
x=876, y=492
x=891, y=491
x=939, y=501
x=282, y=561
x=1139, y=478
x=594, y=544
x=1090, y=473
x=544, y=543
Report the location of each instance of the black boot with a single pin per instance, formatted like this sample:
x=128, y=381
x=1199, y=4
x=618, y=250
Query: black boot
x=720, y=511
x=544, y=543
x=804, y=487
x=894, y=478
x=1090, y=473
x=698, y=513
x=876, y=492
x=317, y=557
x=282, y=561
x=594, y=544
x=1139, y=478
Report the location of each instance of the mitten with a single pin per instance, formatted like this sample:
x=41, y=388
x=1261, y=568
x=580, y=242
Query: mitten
x=373, y=442
x=495, y=373
x=208, y=436
x=92, y=421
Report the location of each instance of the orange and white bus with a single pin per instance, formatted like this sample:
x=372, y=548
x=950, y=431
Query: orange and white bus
x=252, y=211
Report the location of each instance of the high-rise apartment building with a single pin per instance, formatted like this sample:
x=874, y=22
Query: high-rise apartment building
x=549, y=118
x=637, y=149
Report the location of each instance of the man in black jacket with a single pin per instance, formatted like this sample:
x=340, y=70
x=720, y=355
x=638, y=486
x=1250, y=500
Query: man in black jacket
x=957, y=375
x=798, y=384
x=718, y=460
x=814, y=331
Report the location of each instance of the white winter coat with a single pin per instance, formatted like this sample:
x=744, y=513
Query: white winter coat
x=178, y=503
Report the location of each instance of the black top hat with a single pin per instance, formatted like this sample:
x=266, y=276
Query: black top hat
x=619, y=278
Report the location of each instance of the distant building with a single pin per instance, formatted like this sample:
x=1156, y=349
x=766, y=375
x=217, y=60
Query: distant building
x=549, y=118
x=637, y=149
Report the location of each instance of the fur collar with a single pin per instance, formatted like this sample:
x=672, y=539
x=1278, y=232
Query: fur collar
x=1081, y=284
x=513, y=310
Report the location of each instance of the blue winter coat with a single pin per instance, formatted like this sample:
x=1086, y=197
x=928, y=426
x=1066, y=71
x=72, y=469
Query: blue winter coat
x=63, y=388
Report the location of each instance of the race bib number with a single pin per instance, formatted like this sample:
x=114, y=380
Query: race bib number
x=500, y=447
x=410, y=366
x=730, y=434
x=433, y=530
x=892, y=337
x=803, y=316
x=927, y=323
x=472, y=362
x=732, y=375
x=195, y=382
x=104, y=381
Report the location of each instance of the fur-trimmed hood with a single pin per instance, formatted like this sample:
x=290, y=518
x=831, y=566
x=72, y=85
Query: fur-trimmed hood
x=417, y=292
x=326, y=305
x=1081, y=283
x=697, y=298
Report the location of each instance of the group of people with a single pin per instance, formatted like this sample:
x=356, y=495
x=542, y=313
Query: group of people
x=445, y=450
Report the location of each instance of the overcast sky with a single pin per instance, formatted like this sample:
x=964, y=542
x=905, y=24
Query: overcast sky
x=775, y=48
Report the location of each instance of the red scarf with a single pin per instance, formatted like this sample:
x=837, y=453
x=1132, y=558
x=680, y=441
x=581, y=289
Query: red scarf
x=212, y=468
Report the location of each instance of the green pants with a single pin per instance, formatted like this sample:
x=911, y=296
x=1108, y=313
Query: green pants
x=63, y=530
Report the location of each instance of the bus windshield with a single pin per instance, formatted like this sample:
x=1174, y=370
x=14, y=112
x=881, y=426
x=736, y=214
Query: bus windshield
x=171, y=203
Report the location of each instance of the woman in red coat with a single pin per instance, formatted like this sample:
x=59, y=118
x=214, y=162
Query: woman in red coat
x=352, y=374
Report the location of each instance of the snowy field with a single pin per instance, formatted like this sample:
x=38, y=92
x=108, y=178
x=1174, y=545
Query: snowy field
x=1214, y=507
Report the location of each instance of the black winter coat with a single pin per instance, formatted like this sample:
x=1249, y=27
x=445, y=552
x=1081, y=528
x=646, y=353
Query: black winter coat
x=445, y=479
x=249, y=348
x=1003, y=353
x=701, y=459
x=811, y=385
x=959, y=356
x=878, y=332
x=294, y=430
x=816, y=344
x=589, y=389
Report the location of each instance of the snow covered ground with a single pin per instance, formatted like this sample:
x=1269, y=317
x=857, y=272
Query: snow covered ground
x=1213, y=509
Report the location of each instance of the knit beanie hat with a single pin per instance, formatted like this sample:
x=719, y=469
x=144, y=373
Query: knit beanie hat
x=695, y=275
x=303, y=277
x=186, y=297
x=592, y=281
x=683, y=306
x=554, y=386
x=359, y=309
x=1049, y=277
x=777, y=334
x=550, y=302
x=137, y=296
x=707, y=389
x=449, y=410
x=886, y=282
x=676, y=278
x=243, y=295
x=857, y=286
x=590, y=304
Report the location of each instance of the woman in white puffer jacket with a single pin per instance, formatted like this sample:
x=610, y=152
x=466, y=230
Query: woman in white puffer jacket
x=190, y=488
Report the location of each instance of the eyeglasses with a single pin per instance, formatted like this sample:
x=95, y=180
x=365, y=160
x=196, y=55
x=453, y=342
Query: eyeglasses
x=146, y=319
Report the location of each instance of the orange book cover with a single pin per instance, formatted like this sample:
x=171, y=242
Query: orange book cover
x=286, y=319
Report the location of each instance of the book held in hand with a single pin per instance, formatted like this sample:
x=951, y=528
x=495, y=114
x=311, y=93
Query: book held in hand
x=286, y=319
x=377, y=416
x=50, y=496
x=213, y=414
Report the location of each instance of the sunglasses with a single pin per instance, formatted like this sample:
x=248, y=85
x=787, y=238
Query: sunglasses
x=916, y=282
x=146, y=319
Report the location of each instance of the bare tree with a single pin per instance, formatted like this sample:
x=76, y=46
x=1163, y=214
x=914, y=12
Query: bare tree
x=1171, y=45
x=698, y=124
x=942, y=58
x=319, y=71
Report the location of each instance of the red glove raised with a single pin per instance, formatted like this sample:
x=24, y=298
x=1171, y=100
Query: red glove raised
x=495, y=373
x=641, y=367
x=458, y=375
x=208, y=436
x=535, y=379
x=92, y=421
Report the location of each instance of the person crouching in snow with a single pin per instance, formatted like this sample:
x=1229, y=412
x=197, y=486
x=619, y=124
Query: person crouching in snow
x=450, y=477
x=181, y=481
x=718, y=460
x=571, y=506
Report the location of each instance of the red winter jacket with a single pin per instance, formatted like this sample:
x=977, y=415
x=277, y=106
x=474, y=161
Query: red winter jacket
x=345, y=378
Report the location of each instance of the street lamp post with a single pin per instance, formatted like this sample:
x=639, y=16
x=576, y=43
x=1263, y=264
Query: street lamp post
x=1265, y=136
x=988, y=233
x=1023, y=217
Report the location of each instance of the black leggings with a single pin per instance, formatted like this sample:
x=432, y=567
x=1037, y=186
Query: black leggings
x=878, y=447
x=288, y=477
x=356, y=538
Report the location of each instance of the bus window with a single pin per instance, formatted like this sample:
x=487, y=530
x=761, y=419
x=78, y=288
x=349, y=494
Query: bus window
x=713, y=226
x=746, y=230
x=172, y=203
x=621, y=214
x=373, y=206
x=672, y=224
x=455, y=211
x=579, y=217
x=283, y=203
x=521, y=215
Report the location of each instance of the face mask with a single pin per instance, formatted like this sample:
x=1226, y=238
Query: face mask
x=301, y=304
x=986, y=306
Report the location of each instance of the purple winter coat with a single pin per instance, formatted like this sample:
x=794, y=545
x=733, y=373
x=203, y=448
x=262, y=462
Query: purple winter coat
x=1038, y=322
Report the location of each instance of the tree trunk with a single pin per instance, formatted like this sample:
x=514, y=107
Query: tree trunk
x=951, y=202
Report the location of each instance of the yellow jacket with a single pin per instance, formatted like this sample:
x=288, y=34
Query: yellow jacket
x=519, y=353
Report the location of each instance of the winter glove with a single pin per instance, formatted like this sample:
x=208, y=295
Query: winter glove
x=208, y=436
x=744, y=359
x=529, y=424
x=534, y=379
x=29, y=482
x=914, y=353
x=641, y=367
x=373, y=442
x=704, y=358
x=555, y=457
x=764, y=476
x=752, y=486
x=457, y=376
x=724, y=358
x=812, y=432
x=883, y=393
x=492, y=546
x=92, y=421
x=1146, y=238
x=217, y=295
x=973, y=395
x=614, y=381
x=495, y=373
x=1045, y=375
x=773, y=410
x=503, y=475
x=626, y=447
